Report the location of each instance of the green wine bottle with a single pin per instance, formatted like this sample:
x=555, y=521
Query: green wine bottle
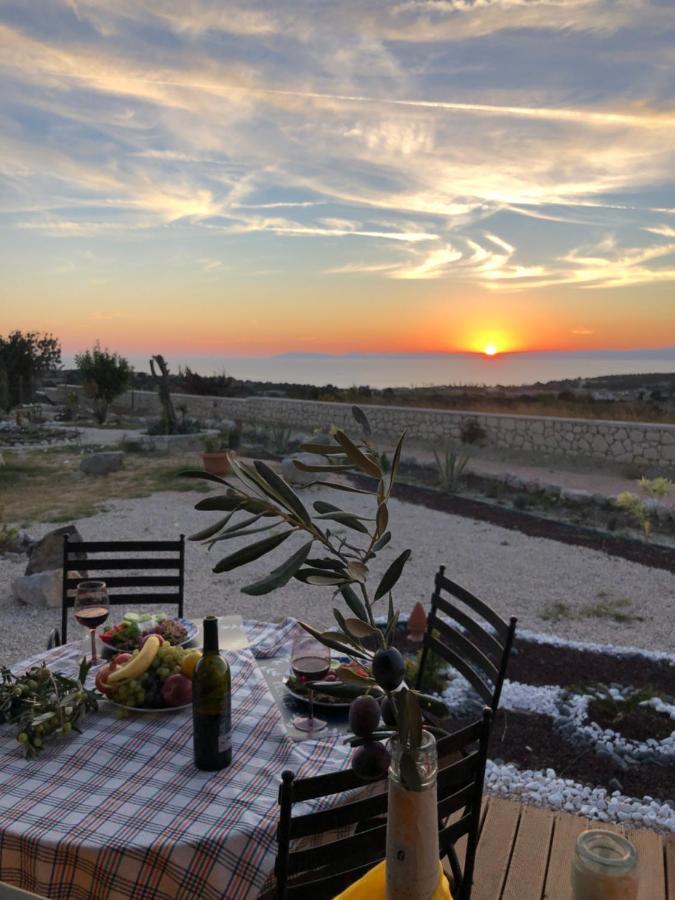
x=211, y=704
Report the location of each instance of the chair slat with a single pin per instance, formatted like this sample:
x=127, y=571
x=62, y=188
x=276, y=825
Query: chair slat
x=458, y=800
x=337, y=817
x=132, y=581
x=475, y=604
x=475, y=629
x=451, y=656
x=104, y=565
x=326, y=885
x=121, y=546
x=452, y=833
x=458, y=773
x=452, y=743
x=464, y=646
x=325, y=785
x=366, y=846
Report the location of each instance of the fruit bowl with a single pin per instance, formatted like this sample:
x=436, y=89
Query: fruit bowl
x=128, y=635
x=155, y=678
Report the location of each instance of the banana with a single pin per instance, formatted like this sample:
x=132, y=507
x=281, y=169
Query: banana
x=137, y=665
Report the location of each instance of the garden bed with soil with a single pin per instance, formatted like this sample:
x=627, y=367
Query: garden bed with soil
x=647, y=554
x=585, y=730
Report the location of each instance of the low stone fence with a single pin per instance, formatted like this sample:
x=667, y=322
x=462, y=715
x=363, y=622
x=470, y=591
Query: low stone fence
x=649, y=445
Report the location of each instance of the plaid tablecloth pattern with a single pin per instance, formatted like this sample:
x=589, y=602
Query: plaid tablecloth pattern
x=120, y=811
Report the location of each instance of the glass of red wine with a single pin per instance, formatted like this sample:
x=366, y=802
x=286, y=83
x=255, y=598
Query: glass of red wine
x=91, y=608
x=310, y=661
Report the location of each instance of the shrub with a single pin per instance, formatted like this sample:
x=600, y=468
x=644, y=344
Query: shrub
x=105, y=376
x=472, y=432
x=450, y=467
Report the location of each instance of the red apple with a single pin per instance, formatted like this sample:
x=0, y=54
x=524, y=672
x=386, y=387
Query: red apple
x=177, y=690
x=152, y=634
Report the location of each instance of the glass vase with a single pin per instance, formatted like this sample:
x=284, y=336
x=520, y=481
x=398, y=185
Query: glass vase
x=412, y=824
x=604, y=867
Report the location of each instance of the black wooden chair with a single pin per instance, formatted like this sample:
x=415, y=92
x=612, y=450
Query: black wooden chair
x=322, y=871
x=124, y=566
x=476, y=642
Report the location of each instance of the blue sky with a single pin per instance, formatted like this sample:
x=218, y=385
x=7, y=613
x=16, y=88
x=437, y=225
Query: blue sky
x=229, y=177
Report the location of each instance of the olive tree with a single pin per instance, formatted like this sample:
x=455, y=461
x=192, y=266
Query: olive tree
x=24, y=357
x=105, y=376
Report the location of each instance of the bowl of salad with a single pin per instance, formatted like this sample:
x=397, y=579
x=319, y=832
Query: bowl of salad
x=129, y=634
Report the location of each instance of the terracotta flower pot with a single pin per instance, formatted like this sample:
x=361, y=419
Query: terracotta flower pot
x=216, y=463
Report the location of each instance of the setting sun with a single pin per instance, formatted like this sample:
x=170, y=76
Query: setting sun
x=490, y=350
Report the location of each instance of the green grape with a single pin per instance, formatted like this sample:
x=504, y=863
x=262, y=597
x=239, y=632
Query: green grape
x=163, y=672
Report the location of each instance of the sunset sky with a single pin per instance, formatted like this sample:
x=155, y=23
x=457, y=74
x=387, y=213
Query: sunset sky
x=194, y=177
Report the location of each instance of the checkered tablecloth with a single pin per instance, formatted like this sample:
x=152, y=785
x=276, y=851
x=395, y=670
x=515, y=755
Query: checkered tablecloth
x=120, y=811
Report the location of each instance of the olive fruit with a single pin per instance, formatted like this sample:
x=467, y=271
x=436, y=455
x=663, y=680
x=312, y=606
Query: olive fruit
x=364, y=715
x=388, y=711
x=388, y=668
x=371, y=761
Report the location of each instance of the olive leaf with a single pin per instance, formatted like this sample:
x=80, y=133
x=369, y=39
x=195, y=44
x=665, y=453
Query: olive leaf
x=353, y=601
x=382, y=519
x=360, y=629
x=344, y=518
x=251, y=553
x=360, y=460
x=332, y=641
x=392, y=575
x=395, y=463
x=362, y=420
x=212, y=529
x=350, y=676
x=205, y=476
x=285, y=491
x=221, y=502
x=281, y=575
x=357, y=570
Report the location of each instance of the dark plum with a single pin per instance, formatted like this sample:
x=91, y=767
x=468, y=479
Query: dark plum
x=364, y=715
x=388, y=668
x=371, y=761
x=388, y=711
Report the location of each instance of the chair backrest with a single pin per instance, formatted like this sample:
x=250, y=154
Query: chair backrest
x=470, y=636
x=125, y=568
x=344, y=851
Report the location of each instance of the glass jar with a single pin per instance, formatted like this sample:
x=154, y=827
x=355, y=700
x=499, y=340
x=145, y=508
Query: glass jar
x=413, y=867
x=604, y=867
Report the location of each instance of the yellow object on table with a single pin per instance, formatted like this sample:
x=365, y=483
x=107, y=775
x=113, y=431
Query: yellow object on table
x=373, y=886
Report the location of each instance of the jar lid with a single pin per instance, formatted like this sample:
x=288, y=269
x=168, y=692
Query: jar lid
x=606, y=848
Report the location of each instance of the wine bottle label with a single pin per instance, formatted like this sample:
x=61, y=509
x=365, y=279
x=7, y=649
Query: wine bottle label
x=224, y=741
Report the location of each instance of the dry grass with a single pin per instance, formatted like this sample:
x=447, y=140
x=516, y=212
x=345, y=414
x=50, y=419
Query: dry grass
x=47, y=486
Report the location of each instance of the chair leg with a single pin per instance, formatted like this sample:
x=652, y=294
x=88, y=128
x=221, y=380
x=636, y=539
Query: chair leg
x=54, y=639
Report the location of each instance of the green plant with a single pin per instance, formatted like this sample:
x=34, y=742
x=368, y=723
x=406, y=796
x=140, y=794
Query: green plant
x=450, y=467
x=44, y=704
x=637, y=507
x=472, y=432
x=348, y=546
x=105, y=376
x=23, y=358
x=656, y=487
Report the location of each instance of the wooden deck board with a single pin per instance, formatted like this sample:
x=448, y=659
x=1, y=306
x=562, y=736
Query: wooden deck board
x=669, y=852
x=566, y=829
x=494, y=848
x=525, y=853
x=649, y=846
x=527, y=871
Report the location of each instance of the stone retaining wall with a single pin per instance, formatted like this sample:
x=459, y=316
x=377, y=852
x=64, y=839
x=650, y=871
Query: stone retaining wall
x=644, y=444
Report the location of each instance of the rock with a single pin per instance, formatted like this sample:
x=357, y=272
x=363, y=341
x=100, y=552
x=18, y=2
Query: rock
x=102, y=463
x=574, y=497
x=47, y=553
x=294, y=475
x=43, y=589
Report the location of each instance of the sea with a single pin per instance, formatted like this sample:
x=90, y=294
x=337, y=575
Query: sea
x=419, y=370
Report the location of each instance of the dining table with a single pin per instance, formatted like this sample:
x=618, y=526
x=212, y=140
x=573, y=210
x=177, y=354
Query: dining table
x=120, y=810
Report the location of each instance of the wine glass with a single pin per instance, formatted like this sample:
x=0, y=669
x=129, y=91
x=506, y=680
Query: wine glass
x=91, y=608
x=310, y=661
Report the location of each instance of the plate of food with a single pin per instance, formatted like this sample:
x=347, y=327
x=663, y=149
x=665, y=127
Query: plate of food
x=129, y=634
x=155, y=678
x=341, y=699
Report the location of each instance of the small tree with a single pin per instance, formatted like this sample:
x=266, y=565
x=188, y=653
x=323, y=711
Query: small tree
x=105, y=376
x=23, y=358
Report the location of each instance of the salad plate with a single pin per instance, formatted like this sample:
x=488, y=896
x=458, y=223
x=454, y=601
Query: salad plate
x=129, y=633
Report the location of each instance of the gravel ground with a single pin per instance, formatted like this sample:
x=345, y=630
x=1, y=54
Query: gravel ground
x=517, y=574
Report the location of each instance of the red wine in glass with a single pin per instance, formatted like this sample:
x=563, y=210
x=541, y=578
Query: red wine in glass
x=310, y=661
x=91, y=607
x=310, y=668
